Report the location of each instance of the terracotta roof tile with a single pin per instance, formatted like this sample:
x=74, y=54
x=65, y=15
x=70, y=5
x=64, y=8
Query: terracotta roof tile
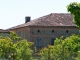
x=53, y=19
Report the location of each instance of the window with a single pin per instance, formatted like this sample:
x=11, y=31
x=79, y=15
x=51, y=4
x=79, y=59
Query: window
x=38, y=42
x=38, y=31
x=67, y=31
x=52, y=40
x=52, y=31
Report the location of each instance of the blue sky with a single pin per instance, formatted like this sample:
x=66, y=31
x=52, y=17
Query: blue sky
x=13, y=12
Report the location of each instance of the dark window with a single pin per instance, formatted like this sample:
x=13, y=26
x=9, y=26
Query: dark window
x=52, y=31
x=67, y=31
x=38, y=31
x=52, y=41
x=38, y=42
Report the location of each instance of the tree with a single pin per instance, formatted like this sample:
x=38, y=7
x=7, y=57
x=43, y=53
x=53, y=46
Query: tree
x=15, y=48
x=78, y=58
x=14, y=37
x=24, y=51
x=6, y=47
x=63, y=49
x=74, y=8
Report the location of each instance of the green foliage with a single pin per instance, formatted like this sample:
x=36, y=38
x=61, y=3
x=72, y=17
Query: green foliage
x=14, y=37
x=25, y=53
x=14, y=48
x=78, y=58
x=74, y=8
x=63, y=49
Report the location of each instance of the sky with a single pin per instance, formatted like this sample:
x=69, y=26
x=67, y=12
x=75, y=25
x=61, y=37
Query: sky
x=13, y=12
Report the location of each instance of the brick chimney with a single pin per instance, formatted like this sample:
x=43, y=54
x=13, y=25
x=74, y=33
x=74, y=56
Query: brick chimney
x=27, y=19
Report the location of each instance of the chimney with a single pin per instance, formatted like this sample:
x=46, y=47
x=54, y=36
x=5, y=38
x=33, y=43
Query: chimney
x=27, y=19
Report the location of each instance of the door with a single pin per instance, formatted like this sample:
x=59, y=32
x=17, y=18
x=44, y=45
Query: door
x=39, y=42
x=52, y=40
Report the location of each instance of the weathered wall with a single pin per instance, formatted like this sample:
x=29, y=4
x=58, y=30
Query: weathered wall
x=32, y=33
x=47, y=33
x=23, y=32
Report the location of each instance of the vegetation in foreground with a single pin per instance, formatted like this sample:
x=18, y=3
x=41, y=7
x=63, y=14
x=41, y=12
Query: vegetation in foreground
x=14, y=48
x=63, y=49
x=74, y=8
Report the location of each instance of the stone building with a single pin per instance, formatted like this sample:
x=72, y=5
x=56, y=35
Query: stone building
x=43, y=30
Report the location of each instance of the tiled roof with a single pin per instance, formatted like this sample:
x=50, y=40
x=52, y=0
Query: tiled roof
x=4, y=31
x=53, y=19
